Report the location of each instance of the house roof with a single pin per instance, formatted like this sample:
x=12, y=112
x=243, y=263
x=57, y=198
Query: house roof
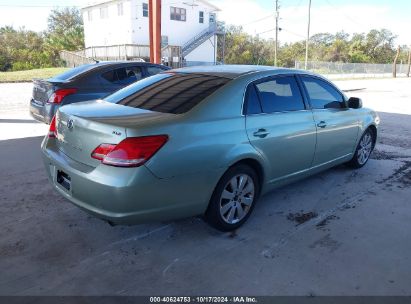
x=97, y=2
x=100, y=2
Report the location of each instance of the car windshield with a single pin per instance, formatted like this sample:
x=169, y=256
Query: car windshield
x=72, y=73
x=175, y=93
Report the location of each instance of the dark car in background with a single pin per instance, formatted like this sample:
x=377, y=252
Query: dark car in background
x=86, y=82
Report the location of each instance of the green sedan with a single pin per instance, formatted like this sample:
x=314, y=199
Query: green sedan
x=203, y=141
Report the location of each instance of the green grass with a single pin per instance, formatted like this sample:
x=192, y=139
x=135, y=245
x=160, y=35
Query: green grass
x=28, y=75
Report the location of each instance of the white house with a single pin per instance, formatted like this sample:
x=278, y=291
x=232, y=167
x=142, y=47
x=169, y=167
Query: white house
x=188, y=24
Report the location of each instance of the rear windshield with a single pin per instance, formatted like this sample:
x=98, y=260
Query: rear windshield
x=70, y=74
x=168, y=92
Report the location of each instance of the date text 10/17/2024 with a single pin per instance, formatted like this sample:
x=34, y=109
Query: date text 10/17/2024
x=206, y=299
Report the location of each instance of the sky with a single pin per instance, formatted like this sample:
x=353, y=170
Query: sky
x=257, y=16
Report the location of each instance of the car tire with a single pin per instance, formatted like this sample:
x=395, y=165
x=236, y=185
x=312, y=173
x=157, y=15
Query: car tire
x=233, y=198
x=363, y=151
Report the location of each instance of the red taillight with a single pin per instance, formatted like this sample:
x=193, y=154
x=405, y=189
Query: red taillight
x=52, y=129
x=59, y=95
x=131, y=152
x=101, y=151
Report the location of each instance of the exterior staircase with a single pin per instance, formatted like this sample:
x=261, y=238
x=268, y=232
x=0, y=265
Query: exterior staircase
x=200, y=38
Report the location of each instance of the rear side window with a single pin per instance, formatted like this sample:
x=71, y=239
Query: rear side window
x=74, y=72
x=280, y=94
x=152, y=70
x=322, y=95
x=123, y=76
x=253, y=104
x=169, y=93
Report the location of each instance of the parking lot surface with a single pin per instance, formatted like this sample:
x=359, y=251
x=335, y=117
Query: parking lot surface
x=341, y=232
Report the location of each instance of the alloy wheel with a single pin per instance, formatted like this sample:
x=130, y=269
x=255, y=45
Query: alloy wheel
x=237, y=198
x=364, y=149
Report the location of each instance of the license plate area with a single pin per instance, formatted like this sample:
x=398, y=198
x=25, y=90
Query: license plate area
x=63, y=179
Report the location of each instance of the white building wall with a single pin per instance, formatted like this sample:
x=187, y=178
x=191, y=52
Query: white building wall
x=112, y=30
x=178, y=32
x=132, y=26
x=203, y=54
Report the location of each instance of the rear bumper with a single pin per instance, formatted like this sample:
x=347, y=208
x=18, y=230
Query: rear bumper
x=43, y=113
x=127, y=195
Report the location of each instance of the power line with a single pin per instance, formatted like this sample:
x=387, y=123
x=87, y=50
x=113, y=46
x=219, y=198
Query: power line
x=292, y=33
x=34, y=6
x=270, y=30
x=340, y=11
x=255, y=21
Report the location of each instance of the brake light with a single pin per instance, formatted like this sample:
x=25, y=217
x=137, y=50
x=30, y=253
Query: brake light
x=58, y=96
x=52, y=129
x=131, y=152
x=102, y=151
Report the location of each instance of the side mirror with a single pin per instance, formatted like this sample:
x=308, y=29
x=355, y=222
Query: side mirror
x=355, y=103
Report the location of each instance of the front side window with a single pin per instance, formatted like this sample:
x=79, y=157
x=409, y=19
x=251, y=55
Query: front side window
x=104, y=12
x=201, y=17
x=178, y=14
x=90, y=15
x=120, y=9
x=168, y=93
x=280, y=94
x=145, y=9
x=322, y=95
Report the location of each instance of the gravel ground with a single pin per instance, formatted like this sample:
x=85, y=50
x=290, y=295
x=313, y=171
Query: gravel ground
x=341, y=232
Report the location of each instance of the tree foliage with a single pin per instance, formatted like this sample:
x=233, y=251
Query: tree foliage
x=376, y=46
x=65, y=31
x=22, y=49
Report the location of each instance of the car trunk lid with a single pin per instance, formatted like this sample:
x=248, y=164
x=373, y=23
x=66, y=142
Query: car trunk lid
x=43, y=89
x=82, y=127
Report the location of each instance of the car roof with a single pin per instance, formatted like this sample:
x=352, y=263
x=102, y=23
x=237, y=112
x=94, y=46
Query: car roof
x=233, y=71
x=89, y=68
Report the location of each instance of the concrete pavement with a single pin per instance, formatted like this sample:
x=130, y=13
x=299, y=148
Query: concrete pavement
x=355, y=239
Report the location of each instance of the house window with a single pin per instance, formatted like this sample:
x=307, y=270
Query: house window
x=90, y=15
x=177, y=13
x=120, y=9
x=103, y=12
x=212, y=18
x=201, y=17
x=145, y=9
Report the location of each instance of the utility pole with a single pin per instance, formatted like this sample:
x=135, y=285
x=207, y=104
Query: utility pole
x=308, y=34
x=394, y=65
x=409, y=62
x=154, y=26
x=277, y=16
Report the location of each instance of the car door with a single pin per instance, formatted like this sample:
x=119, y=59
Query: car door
x=337, y=125
x=280, y=125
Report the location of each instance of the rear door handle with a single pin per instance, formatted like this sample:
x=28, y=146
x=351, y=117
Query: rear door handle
x=321, y=124
x=261, y=133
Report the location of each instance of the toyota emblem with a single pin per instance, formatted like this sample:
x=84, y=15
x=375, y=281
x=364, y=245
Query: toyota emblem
x=70, y=124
